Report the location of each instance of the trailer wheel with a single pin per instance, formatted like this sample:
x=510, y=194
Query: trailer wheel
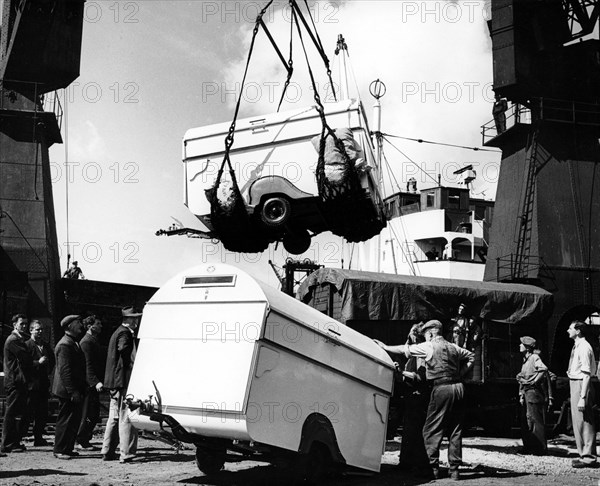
x=297, y=243
x=276, y=211
x=210, y=461
x=314, y=466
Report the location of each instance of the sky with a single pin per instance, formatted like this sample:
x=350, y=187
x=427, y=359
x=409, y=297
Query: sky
x=151, y=70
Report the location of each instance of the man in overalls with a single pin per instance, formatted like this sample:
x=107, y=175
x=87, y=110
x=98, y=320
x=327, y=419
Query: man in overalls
x=446, y=365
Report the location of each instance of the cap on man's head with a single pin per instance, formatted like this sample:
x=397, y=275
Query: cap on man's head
x=67, y=320
x=74, y=262
x=528, y=341
x=433, y=324
x=129, y=312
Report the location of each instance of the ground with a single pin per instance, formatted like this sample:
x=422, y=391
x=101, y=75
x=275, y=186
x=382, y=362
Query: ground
x=488, y=462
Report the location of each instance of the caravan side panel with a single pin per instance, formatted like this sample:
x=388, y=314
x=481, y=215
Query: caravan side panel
x=287, y=388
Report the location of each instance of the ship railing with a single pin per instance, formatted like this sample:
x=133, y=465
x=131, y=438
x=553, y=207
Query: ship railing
x=41, y=102
x=546, y=109
x=515, y=114
x=569, y=111
x=511, y=268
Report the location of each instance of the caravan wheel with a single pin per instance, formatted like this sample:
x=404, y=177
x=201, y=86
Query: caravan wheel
x=313, y=467
x=297, y=243
x=210, y=461
x=276, y=211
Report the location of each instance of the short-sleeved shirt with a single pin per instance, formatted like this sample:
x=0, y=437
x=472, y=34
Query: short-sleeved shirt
x=459, y=358
x=582, y=362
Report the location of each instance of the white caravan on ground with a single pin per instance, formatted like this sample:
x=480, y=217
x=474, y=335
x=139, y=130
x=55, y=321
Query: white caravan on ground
x=235, y=366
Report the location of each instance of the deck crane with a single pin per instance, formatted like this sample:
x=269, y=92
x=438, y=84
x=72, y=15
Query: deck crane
x=40, y=48
x=547, y=63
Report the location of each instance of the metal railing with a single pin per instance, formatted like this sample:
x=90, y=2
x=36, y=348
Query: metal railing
x=547, y=109
x=516, y=114
x=40, y=102
x=574, y=112
x=528, y=267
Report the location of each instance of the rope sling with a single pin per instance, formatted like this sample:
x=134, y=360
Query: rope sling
x=231, y=221
x=346, y=206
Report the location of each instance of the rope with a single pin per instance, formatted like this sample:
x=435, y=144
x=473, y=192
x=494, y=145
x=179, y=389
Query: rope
x=290, y=65
x=410, y=160
x=420, y=140
x=317, y=41
x=232, y=221
x=66, y=111
x=26, y=240
x=411, y=264
x=230, y=135
x=391, y=173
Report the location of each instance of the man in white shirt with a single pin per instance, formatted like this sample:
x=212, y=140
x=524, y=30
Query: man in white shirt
x=582, y=366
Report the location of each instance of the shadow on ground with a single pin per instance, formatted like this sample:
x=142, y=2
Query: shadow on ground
x=37, y=473
x=389, y=475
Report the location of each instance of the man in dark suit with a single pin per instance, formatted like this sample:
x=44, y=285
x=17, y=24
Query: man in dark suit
x=119, y=363
x=94, y=366
x=43, y=362
x=69, y=386
x=18, y=368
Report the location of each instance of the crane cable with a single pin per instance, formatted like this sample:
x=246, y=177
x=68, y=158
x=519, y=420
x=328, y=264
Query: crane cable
x=393, y=180
x=420, y=140
x=65, y=97
x=409, y=159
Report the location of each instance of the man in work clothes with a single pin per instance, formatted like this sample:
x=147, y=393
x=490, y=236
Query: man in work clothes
x=445, y=365
x=532, y=396
x=18, y=367
x=68, y=386
x=94, y=371
x=43, y=362
x=582, y=366
x=119, y=363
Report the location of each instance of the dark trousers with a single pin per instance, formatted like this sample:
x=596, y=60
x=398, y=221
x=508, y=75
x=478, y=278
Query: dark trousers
x=14, y=416
x=90, y=416
x=67, y=423
x=533, y=428
x=37, y=411
x=445, y=417
x=412, y=452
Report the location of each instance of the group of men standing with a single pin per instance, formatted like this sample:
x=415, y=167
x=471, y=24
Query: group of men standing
x=535, y=393
x=80, y=375
x=434, y=373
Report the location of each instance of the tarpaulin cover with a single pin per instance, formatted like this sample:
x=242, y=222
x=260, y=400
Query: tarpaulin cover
x=381, y=296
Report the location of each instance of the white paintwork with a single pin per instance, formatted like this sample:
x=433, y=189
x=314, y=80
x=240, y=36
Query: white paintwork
x=413, y=234
x=274, y=144
x=245, y=361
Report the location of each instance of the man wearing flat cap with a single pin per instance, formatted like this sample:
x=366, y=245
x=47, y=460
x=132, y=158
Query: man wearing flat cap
x=69, y=386
x=532, y=396
x=119, y=363
x=18, y=370
x=445, y=366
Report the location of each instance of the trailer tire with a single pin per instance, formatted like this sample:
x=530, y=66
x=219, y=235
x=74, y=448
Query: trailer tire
x=210, y=461
x=276, y=211
x=312, y=467
x=297, y=243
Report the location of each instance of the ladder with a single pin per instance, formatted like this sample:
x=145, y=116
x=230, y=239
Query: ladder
x=536, y=159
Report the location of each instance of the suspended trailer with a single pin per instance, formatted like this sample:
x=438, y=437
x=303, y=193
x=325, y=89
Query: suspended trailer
x=241, y=369
x=275, y=162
